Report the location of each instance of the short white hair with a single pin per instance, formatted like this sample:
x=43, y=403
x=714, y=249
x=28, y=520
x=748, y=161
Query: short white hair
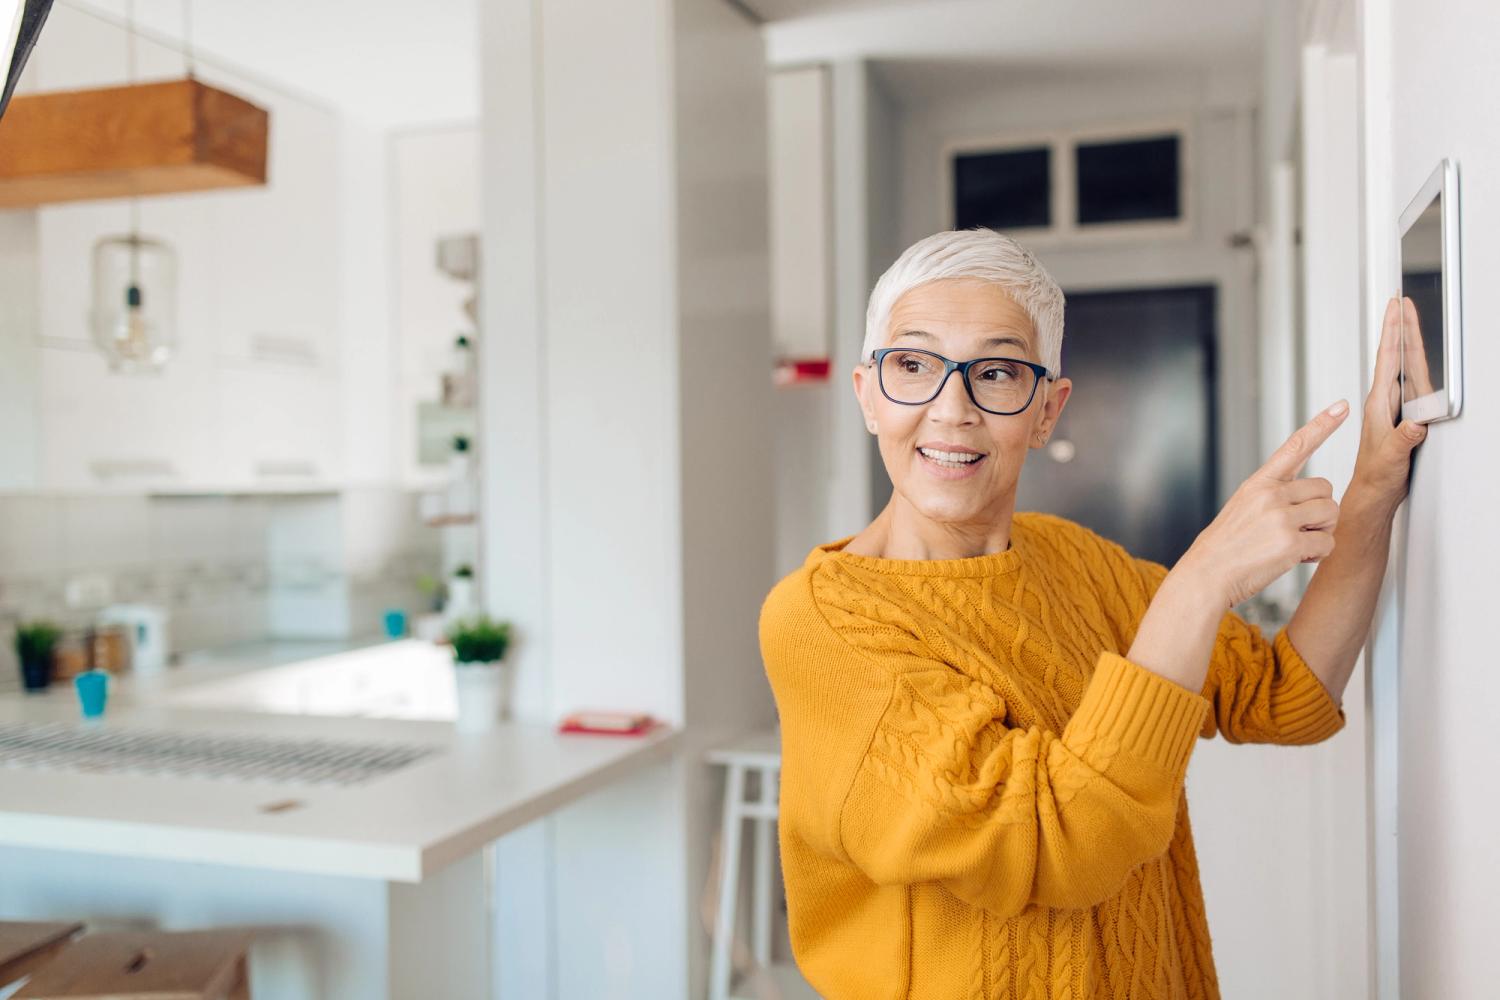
x=972, y=253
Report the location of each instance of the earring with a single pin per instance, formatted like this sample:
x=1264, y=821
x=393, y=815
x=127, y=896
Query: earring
x=870, y=426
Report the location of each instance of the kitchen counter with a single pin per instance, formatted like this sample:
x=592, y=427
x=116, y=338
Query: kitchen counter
x=399, y=826
x=377, y=890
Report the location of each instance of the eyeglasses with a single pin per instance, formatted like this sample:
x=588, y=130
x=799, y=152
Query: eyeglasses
x=1001, y=386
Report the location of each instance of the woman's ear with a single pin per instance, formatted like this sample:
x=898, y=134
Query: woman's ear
x=862, y=393
x=1057, y=398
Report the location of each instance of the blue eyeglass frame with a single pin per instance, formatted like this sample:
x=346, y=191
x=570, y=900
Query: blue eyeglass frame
x=877, y=358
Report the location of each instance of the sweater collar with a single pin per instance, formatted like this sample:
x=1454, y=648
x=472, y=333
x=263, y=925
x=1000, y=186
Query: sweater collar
x=990, y=564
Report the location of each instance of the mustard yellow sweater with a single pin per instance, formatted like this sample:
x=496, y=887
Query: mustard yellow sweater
x=981, y=796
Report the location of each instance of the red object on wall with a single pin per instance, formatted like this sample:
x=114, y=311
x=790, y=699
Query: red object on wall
x=800, y=371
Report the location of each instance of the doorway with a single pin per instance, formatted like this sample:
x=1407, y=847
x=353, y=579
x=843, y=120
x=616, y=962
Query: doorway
x=1134, y=456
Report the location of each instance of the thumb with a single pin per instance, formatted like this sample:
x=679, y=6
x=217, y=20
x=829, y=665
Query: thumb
x=1410, y=434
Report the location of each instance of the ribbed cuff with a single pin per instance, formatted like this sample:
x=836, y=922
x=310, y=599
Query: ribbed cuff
x=1302, y=710
x=1142, y=713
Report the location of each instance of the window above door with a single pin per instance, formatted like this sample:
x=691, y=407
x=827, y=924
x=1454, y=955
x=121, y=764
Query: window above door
x=1129, y=181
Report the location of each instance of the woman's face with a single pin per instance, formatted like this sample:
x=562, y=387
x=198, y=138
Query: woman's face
x=961, y=319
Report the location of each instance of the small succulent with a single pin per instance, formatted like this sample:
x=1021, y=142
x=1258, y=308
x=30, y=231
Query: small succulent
x=479, y=640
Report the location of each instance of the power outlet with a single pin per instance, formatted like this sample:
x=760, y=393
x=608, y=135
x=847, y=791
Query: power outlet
x=88, y=590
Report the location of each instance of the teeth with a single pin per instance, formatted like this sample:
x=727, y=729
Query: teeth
x=950, y=457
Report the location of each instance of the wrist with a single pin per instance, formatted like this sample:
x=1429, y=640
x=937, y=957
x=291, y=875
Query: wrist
x=1195, y=587
x=1367, y=503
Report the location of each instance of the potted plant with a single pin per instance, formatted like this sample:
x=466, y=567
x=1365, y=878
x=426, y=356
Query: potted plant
x=479, y=646
x=35, y=642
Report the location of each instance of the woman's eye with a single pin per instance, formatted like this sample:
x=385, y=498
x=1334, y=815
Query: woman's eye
x=999, y=373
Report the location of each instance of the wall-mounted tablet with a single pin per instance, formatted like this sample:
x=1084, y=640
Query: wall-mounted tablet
x=1431, y=307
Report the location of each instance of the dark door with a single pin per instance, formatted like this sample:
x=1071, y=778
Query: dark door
x=1134, y=455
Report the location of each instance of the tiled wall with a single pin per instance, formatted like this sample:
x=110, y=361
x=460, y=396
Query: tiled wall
x=228, y=569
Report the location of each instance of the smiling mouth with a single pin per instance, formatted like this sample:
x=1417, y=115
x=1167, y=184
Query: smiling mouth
x=951, y=459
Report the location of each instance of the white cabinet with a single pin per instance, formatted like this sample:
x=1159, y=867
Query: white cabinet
x=106, y=432
x=275, y=250
x=279, y=428
x=251, y=398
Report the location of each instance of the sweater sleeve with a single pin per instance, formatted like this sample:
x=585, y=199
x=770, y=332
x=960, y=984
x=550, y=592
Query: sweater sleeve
x=1261, y=691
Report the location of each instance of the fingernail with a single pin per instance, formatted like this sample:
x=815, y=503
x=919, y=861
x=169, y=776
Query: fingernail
x=1337, y=409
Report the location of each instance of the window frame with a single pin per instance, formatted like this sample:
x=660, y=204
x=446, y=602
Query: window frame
x=1063, y=144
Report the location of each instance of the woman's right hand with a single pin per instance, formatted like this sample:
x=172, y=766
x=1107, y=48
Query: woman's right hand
x=1272, y=522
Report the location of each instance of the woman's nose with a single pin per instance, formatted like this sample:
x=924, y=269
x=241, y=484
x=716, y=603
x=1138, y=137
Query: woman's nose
x=952, y=403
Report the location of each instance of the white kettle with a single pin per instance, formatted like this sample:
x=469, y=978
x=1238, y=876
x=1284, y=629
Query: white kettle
x=147, y=627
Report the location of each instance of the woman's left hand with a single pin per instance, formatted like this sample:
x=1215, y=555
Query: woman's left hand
x=1383, y=467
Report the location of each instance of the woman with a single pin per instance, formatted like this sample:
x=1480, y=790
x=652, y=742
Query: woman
x=987, y=715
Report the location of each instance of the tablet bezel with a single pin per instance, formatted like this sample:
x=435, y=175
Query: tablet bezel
x=1445, y=403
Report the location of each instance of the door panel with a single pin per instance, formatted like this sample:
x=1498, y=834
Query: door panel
x=1140, y=423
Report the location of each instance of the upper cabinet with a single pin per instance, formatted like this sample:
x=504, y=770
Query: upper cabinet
x=252, y=397
x=314, y=325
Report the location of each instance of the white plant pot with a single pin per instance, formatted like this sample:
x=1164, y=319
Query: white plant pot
x=481, y=691
x=460, y=599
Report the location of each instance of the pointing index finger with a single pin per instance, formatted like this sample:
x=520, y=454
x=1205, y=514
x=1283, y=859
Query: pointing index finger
x=1287, y=461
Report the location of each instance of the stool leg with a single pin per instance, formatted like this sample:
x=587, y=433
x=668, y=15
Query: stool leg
x=721, y=968
x=764, y=831
x=240, y=988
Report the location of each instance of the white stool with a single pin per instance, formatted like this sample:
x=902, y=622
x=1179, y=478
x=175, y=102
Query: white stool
x=761, y=753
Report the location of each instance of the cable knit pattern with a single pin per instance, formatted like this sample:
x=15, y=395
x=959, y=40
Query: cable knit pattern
x=981, y=795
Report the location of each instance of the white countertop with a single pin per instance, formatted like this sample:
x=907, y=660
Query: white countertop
x=398, y=827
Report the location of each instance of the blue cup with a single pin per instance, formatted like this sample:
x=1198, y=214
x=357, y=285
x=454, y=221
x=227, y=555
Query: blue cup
x=395, y=623
x=93, y=692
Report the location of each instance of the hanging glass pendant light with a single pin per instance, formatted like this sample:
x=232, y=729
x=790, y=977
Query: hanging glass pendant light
x=135, y=281
x=135, y=294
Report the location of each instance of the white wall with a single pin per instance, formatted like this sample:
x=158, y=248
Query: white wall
x=725, y=490
x=1333, y=367
x=20, y=355
x=628, y=486
x=1431, y=93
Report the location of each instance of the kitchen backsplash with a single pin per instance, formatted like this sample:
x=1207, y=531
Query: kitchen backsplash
x=227, y=569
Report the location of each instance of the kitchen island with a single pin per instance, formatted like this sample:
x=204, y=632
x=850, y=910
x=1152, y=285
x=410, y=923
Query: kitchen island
x=360, y=884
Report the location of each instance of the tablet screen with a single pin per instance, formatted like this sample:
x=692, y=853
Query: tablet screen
x=1422, y=335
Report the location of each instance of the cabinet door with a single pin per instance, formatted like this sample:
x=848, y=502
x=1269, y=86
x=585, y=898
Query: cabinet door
x=104, y=431
x=276, y=250
x=280, y=428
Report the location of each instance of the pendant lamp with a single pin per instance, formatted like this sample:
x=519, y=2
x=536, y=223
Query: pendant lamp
x=133, y=319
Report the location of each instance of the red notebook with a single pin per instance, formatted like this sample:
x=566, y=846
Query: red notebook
x=610, y=723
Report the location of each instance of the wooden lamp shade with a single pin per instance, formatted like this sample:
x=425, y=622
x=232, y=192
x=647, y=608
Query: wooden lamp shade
x=142, y=139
